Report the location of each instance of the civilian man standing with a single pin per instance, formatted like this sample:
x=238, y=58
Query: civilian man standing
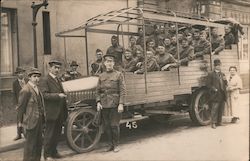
x=110, y=99
x=17, y=85
x=55, y=108
x=216, y=83
x=31, y=114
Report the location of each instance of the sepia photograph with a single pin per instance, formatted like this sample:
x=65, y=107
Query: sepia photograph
x=121, y=80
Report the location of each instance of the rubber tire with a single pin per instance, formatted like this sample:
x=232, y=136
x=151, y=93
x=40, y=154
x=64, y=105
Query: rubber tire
x=193, y=113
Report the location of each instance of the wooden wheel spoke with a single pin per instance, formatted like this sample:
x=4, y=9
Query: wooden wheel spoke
x=89, y=138
x=92, y=130
x=82, y=140
x=78, y=136
x=80, y=130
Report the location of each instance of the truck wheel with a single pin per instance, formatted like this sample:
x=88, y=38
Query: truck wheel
x=200, y=111
x=82, y=136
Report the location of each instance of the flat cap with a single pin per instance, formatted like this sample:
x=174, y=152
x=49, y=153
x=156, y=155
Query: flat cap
x=19, y=69
x=34, y=71
x=56, y=62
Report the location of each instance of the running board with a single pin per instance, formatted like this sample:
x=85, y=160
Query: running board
x=165, y=112
x=135, y=118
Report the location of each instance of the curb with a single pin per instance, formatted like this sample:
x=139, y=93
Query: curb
x=11, y=147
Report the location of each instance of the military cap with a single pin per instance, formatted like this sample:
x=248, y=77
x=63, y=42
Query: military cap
x=34, y=71
x=109, y=55
x=128, y=50
x=217, y=62
x=114, y=37
x=56, y=62
x=98, y=50
x=19, y=70
x=132, y=37
x=74, y=63
x=184, y=38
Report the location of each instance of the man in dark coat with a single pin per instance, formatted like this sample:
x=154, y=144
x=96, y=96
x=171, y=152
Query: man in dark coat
x=31, y=114
x=55, y=108
x=72, y=73
x=216, y=83
x=110, y=99
x=17, y=85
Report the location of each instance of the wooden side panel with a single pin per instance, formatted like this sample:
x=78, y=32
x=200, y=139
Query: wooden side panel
x=163, y=85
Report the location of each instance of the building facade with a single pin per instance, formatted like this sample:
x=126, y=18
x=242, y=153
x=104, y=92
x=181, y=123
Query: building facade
x=17, y=32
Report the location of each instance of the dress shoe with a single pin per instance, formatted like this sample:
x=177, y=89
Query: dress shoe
x=116, y=149
x=57, y=155
x=235, y=119
x=18, y=137
x=214, y=126
x=110, y=148
x=220, y=124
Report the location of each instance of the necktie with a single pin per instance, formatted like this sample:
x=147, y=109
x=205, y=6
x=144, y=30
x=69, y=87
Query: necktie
x=36, y=90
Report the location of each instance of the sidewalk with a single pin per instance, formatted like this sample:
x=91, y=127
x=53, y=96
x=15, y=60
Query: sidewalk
x=7, y=134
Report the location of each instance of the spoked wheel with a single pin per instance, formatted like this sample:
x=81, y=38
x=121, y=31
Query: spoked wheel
x=162, y=119
x=200, y=111
x=82, y=135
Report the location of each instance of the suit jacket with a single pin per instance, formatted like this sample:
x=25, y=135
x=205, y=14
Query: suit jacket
x=28, y=107
x=217, y=86
x=55, y=106
x=16, y=88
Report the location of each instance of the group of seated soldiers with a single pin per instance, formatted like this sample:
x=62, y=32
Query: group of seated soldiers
x=161, y=49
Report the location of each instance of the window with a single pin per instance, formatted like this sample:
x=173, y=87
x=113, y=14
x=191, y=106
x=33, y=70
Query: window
x=244, y=45
x=8, y=41
x=46, y=33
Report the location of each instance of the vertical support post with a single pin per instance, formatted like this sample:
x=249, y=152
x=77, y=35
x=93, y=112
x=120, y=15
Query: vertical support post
x=144, y=52
x=65, y=50
x=177, y=47
x=86, y=46
x=35, y=44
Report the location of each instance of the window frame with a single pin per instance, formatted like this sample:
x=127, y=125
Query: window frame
x=13, y=34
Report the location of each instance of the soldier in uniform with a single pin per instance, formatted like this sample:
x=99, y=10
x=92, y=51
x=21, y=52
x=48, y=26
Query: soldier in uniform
x=202, y=46
x=110, y=100
x=17, y=85
x=72, y=73
x=186, y=52
x=140, y=40
x=117, y=51
x=129, y=63
x=228, y=38
x=217, y=42
x=55, y=108
x=164, y=59
x=132, y=46
x=31, y=114
x=151, y=63
x=97, y=66
x=216, y=83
